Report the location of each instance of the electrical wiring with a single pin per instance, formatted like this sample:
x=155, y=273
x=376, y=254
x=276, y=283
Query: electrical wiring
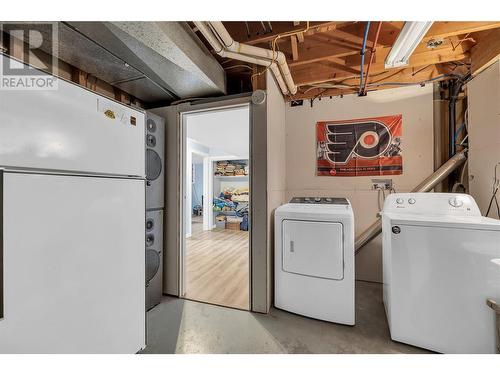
x=267, y=67
x=411, y=83
x=420, y=70
x=346, y=86
x=496, y=186
x=274, y=47
x=462, y=173
x=344, y=79
x=239, y=66
x=493, y=198
x=329, y=87
x=185, y=100
x=363, y=50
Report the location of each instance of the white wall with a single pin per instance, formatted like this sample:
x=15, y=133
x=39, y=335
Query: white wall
x=276, y=166
x=192, y=147
x=415, y=103
x=484, y=134
x=225, y=131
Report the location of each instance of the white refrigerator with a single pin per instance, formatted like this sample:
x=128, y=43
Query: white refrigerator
x=72, y=212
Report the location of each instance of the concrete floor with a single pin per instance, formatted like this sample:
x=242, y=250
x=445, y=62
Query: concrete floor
x=182, y=326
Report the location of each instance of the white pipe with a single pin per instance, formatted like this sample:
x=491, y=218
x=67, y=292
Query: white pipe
x=210, y=37
x=253, y=60
x=246, y=49
x=223, y=51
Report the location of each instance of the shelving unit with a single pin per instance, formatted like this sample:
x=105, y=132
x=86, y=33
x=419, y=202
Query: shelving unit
x=222, y=183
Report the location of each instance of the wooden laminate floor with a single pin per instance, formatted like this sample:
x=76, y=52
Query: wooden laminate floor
x=217, y=266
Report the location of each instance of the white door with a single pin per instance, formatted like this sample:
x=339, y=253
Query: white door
x=73, y=264
x=313, y=248
x=70, y=129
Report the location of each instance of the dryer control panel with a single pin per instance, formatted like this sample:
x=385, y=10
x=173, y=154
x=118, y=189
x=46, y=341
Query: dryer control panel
x=319, y=200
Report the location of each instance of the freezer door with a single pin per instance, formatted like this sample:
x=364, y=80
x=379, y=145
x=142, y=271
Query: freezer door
x=70, y=129
x=313, y=248
x=73, y=263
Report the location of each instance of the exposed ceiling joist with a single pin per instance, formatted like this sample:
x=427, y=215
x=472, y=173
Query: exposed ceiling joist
x=440, y=30
x=318, y=73
x=295, y=48
x=486, y=51
x=329, y=51
x=238, y=33
x=331, y=46
x=388, y=80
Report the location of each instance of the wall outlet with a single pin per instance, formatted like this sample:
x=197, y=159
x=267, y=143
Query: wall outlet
x=381, y=183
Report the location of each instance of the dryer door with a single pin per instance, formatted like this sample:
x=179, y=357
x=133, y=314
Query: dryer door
x=313, y=248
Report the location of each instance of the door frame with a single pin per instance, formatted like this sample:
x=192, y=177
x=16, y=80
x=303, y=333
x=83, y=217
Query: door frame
x=261, y=257
x=184, y=191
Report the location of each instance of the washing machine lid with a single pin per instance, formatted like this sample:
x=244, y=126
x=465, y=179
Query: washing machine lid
x=444, y=221
x=313, y=248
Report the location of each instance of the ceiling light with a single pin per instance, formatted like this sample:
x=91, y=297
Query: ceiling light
x=408, y=39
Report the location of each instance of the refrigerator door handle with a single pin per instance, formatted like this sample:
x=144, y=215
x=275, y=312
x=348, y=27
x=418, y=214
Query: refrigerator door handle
x=1, y=247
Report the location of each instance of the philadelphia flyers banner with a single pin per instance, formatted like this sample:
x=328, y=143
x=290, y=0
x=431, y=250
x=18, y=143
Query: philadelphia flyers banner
x=361, y=147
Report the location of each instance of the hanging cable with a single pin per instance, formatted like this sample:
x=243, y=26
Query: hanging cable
x=372, y=53
x=496, y=186
x=363, y=50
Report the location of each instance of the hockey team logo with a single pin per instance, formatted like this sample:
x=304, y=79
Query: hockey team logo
x=366, y=140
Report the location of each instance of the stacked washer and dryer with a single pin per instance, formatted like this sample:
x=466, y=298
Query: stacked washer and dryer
x=155, y=204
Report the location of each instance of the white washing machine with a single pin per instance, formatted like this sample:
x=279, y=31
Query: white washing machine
x=441, y=261
x=314, y=258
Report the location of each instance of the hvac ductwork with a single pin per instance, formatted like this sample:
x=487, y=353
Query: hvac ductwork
x=225, y=46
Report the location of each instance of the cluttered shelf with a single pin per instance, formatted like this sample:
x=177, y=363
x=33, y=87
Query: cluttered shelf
x=232, y=199
x=229, y=178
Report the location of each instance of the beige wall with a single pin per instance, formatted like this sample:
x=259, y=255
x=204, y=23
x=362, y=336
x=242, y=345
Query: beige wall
x=276, y=167
x=484, y=134
x=415, y=103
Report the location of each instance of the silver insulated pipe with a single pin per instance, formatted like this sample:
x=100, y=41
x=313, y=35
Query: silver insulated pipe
x=427, y=185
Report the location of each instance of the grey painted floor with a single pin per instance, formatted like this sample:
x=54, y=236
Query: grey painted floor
x=182, y=326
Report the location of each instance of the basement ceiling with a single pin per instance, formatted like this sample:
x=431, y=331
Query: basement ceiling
x=324, y=57
x=153, y=61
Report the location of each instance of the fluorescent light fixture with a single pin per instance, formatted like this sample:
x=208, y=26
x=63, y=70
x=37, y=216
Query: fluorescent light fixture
x=408, y=39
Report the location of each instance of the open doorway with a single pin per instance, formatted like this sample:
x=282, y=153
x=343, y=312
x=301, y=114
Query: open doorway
x=215, y=254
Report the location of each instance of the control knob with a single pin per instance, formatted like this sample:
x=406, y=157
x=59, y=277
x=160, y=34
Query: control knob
x=455, y=202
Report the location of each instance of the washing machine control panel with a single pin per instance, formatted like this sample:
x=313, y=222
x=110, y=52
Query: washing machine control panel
x=432, y=204
x=319, y=200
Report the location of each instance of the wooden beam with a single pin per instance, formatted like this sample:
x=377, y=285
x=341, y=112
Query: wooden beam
x=401, y=76
x=317, y=73
x=238, y=30
x=486, y=51
x=345, y=42
x=258, y=78
x=300, y=37
x=79, y=76
x=295, y=49
x=441, y=30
